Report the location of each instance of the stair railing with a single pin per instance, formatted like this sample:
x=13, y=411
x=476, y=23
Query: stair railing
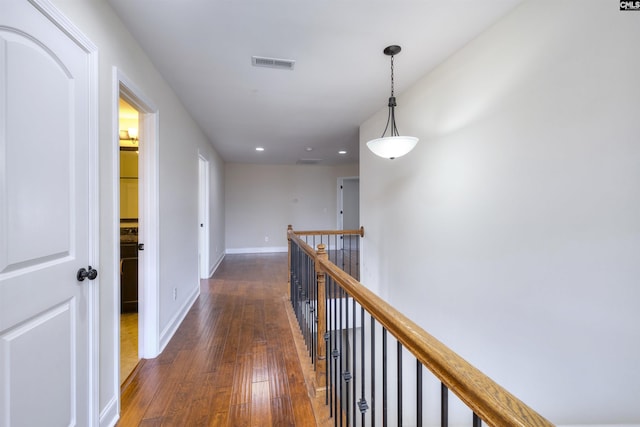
x=342, y=246
x=343, y=250
x=355, y=338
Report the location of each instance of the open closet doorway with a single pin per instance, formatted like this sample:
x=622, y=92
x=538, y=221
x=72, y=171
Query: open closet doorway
x=128, y=125
x=139, y=229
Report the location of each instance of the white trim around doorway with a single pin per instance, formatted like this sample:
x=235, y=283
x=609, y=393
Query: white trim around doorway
x=148, y=227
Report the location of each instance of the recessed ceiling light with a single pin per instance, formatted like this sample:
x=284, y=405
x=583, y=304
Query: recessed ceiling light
x=259, y=148
x=309, y=149
x=342, y=152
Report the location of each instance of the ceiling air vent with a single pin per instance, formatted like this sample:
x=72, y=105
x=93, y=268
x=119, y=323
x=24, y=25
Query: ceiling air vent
x=282, y=64
x=308, y=161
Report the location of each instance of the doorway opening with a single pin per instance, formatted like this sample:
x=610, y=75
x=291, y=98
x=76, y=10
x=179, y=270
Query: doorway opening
x=348, y=206
x=128, y=125
x=203, y=217
x=146, y=218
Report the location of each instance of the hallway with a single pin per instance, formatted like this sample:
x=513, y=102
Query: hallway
x=232, y=362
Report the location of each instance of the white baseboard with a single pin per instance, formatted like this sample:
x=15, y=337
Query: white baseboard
x=174, y=323
x=216, y=265
x=260, y=250
x=110, y=414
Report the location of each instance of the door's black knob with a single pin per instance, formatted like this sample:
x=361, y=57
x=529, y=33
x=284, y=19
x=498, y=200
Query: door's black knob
x=141, y=246
x=83, y=273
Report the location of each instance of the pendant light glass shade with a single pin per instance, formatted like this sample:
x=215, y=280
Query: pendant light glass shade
x=394, y=145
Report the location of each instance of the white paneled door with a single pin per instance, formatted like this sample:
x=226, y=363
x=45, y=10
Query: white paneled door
x=47, y=218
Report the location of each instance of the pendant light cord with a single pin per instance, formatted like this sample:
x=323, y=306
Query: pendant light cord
x=391, y=118
x=392, y=105
x=391, y=75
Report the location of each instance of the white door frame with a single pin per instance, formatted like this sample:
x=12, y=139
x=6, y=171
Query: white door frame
x=203, y=216
x=148, y=229
x=340, y=204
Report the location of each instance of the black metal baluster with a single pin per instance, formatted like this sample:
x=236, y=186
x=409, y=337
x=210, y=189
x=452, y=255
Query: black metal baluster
x=345, y=253
x=310, y=314
x=292, y=250
x=330, y=342
x=292, y=276
x=314, y=302
x=314, y=314
x=341, y=250
x=350, y=255
x=294, y=270
x=399, y=393
x=477, y=422
x=305, y=302
x=362, y=404
x=357, y=260
x=418, y=393
x=444, y=406
x=300, y=283
x=347, y=375
x=353, y=360
x=307, y=306
x=326, y=338
x=303, y=295
x=373, y=371
x=334, y=354
x=298, y=297
x=340, y=364
x=384, y=377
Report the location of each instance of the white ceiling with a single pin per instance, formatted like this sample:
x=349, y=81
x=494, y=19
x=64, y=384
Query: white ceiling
x=203, y=48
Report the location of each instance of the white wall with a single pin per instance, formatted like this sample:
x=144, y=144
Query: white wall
x=216, y=211
x=179, y=142
x=261, y=200
x=516, y=220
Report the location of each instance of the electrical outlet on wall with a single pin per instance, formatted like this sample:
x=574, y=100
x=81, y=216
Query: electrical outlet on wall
x=266, y=238
x=175, y=294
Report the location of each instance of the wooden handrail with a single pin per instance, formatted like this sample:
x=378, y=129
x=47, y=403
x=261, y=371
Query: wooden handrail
x=359, y=232
x=486, y=398
x=292, y=235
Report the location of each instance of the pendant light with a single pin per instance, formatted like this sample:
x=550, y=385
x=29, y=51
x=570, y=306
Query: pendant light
x=394, y=145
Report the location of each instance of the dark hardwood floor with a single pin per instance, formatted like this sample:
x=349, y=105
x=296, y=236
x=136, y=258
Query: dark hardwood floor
x=232, y=362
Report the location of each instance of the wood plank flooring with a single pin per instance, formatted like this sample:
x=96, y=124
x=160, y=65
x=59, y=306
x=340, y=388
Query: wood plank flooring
x=128, y=344
x=232, y=362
